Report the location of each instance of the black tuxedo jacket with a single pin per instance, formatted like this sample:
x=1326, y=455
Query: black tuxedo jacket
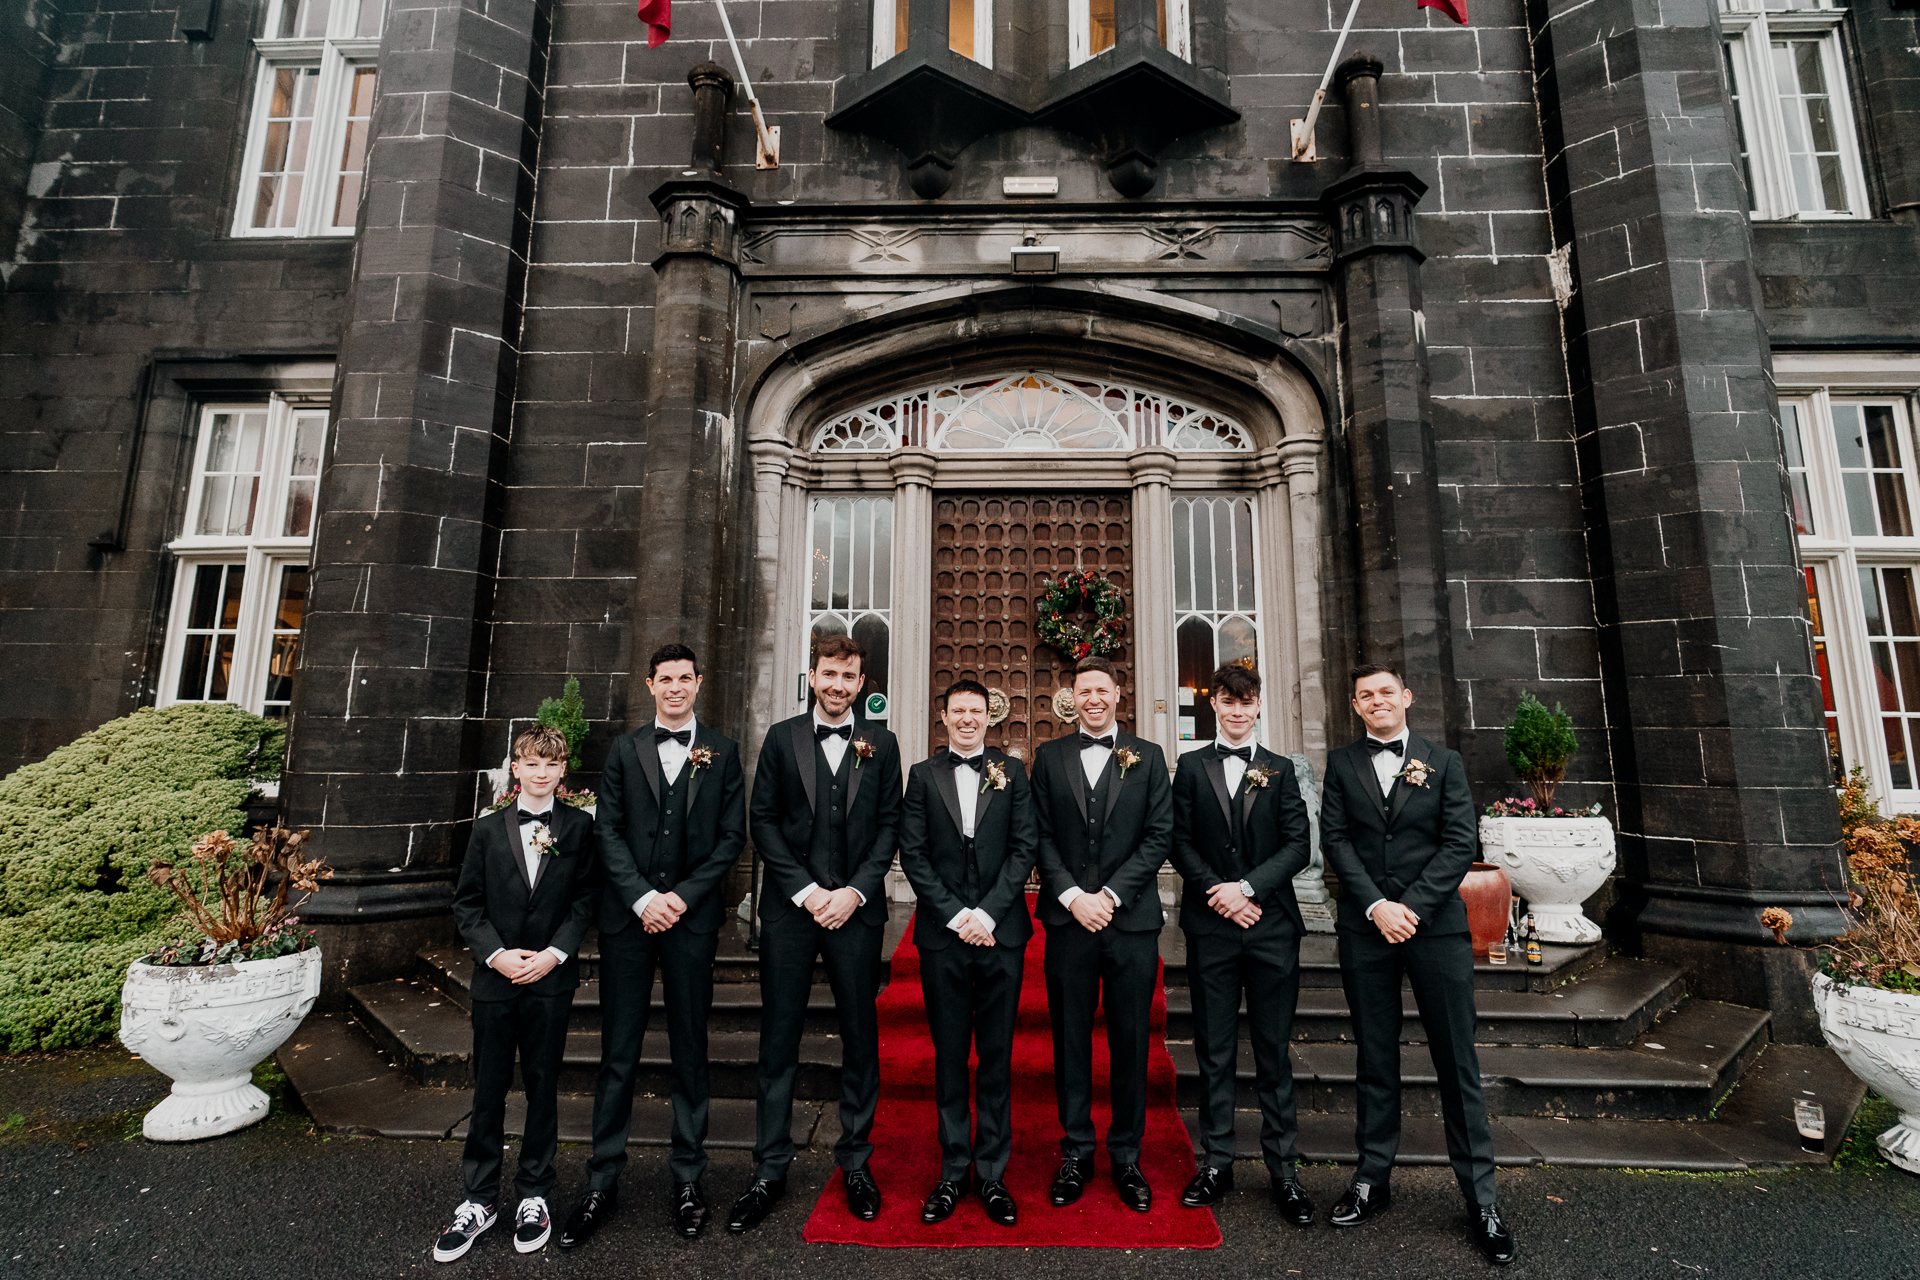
x=1413, y=845
x=496, y=908
x=1136, y=835
x=933, y=852
x=627, y=819
x=1275, y=829
x=781, y=816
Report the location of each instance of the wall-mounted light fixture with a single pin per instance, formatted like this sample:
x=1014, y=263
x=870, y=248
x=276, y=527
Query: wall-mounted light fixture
x=1031, y=258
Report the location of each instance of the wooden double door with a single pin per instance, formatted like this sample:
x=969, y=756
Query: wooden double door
x=993, y=556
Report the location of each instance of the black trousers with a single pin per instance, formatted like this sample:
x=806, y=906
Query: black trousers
x=628, y=960
x=1440, y=970
x=1086, y=971
x=789, y=941
x=973, y=1000
x=1265, y=966
x=534, y=1029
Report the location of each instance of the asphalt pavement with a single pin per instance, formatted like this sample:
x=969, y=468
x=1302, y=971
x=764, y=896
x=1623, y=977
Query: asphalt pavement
x=85, y=1195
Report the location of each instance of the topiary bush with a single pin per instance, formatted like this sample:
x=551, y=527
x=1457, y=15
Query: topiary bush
x=78, y=831
x=568, y=714
x=1539, y=743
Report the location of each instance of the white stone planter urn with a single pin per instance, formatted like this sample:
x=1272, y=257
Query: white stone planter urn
x=1877, y=1034
x=1555, y=864
x=206, y=1026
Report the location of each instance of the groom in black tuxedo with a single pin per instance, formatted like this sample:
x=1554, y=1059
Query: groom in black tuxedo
x=1397, y=823
x=966, y=844
x=825, y=816
x=1105, y=814
x=671, y=821
x=1240, y=835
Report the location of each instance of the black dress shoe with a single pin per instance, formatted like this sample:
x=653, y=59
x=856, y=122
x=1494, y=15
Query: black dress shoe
x=689, y=1209
x=1070, y=1181
x=943, y=1200
x=1290, y=1198
x=1209, y=1187
x=863, y=1193
x=1001, y=1211
x=594, y=1210
x=756, y=1204
x=1134, y=1191
x=1491, y=1234
x=1360, y=1203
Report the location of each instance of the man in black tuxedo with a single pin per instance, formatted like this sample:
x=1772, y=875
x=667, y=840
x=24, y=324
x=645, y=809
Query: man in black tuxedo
x=966, y=844
x=1105, y=815
x=1240, y=835
x=522, y=904
x=670, y=822
x=825, y=817
x=1397, y=823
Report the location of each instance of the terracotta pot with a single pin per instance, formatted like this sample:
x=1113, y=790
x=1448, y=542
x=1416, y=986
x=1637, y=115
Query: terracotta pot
x=1489, y=897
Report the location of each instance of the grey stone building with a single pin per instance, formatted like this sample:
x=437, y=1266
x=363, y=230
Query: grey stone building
x=381, y=363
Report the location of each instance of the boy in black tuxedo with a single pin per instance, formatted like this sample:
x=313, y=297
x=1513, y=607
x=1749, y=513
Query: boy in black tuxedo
x=523, y=902
x=966, y=844
x=1240, y=835
x=825, y=816
x=1397, y=823
x=672, y=819
x=1105, y=815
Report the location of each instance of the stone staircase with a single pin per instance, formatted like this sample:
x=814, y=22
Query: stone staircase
x=1591, y=1058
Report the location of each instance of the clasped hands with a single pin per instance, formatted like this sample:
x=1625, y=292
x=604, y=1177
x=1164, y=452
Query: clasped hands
x=522, y=967
x=832, y=908
x=1227, y=899
x=662, y=912
x=1395, y=922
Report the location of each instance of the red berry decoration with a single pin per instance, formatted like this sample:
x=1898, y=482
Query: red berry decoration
x=1070, y=593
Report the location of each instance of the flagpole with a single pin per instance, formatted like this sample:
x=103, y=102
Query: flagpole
x=769, y=139
x=1302, y=141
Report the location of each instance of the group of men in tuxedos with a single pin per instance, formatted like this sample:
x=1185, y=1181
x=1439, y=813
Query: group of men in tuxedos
x=1098, y=816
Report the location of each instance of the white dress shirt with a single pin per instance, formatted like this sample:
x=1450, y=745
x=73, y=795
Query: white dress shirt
x=966, y=781
x=1386, y=767
x=835, y=749
x=532, y=855
x=1233, y=766
x=1093, y=762
x=673, y=758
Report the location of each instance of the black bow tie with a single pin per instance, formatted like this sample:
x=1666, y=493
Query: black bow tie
x=1240, y=753
x=1088, y=740
x=1376, y=746
x=526, y=817
x=681, y=736
x=830, y=730
x=955, y=760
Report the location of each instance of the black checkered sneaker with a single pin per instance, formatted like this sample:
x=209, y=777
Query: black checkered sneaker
x=469, y=1220
x=531, y=1225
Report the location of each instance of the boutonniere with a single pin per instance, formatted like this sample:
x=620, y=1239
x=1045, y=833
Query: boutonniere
x=1416, y=772
x=862, y=750
x=542, y=838
x=700, y=757
x=1257, y=777
x=996, y=776
x=1127, y=758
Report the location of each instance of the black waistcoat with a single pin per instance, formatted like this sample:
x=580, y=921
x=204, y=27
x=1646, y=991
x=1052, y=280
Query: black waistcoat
x=670, y=831
x=829, y=854
x=1090, y=875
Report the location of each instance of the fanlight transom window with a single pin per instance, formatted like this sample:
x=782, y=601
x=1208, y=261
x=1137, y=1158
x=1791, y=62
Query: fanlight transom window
x=1031, y=412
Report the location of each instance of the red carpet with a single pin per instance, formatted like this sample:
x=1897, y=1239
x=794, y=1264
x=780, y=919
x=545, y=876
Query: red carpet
x=906, y=1157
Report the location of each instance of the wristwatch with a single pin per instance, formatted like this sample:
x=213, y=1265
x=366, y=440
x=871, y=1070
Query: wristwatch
x=1246, y=890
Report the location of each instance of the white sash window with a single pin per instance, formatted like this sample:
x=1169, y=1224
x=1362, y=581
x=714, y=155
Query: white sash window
x=1793, y=120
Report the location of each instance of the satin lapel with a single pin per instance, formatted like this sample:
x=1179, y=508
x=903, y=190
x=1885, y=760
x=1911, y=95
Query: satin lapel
x=693, y=783
x=986, y=796
x=949, y=788
x=1249, y=794
x=649, y=753
x=803, y=760
x=852, y=761
x=1217, y=774
x=1076, y=778
x=518, y=849
x=1418, y=748
x=1362, y=762
x=1119, y=780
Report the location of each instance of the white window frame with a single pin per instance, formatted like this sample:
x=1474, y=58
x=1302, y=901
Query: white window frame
x=1255, y=616
x=1750, y=29
x=851, y=615
x=1836, y=556
x=1080, y=31
x=338, y=54
x=264, y=552
x=887, y=44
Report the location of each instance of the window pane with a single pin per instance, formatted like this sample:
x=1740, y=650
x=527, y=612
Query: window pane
x=1193, y=644
x=1735, y=97
x=822, y=558
x=872, y=631
x=289, y=612
x=283, y=158
x=302, y=18
x=1238, y=643
x=353, y=148
x=1243, y=554
x=1796, y=466
x=1870, y=597
x=860, y=594
x=842, y=552
x=1806, y=116
x=1902, y=775
x=370, y=16
x=1182, y=554
x=883, y=553
x=960, y=27
x=206, y=596
x=899, y=25
x=212, y=615
x=1816, y=617
x=1100, y=24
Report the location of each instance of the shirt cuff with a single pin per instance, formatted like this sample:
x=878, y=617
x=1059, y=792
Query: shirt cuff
x=960, y=917
x=1112, y=895
x=859, y=895
x=496, y=951
x=641, y=904
x=800, y=898
x=1068, y=895
x=558, y=955
x=986, y=921
x=1377, y=902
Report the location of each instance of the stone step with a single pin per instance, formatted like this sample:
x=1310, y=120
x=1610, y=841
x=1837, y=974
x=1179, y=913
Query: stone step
x=1320, y=963
x=1678, y=1068
x=1605, y=1006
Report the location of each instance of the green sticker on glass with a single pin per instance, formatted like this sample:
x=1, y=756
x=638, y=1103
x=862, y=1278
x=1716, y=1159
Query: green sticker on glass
x=876, y=706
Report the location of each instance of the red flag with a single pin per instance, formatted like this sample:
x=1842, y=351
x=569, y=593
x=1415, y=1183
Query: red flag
x=1455, y=9
x=658, y=15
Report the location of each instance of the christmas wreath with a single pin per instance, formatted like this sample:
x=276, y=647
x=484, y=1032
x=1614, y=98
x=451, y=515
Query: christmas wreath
x=1071, y=592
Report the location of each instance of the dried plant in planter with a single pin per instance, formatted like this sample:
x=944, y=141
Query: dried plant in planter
x=225, y=890
x=1883, y=948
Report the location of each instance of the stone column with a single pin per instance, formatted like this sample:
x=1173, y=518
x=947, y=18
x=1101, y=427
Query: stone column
x=1151, y=627
x=394, y=652
x=773, y=458
x=1279, y=628
x=1714, y=710
x=1300, y=462
x=1400, y=578
x=912, y=670
x=689, y=583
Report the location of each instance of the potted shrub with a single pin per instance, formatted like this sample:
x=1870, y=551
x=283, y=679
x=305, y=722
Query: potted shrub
x=1555, y=858
x=1868, y=988
x=206, y=1009
x=568, y=714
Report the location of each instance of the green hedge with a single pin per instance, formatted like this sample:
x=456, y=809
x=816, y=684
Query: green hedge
x=77, y=833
